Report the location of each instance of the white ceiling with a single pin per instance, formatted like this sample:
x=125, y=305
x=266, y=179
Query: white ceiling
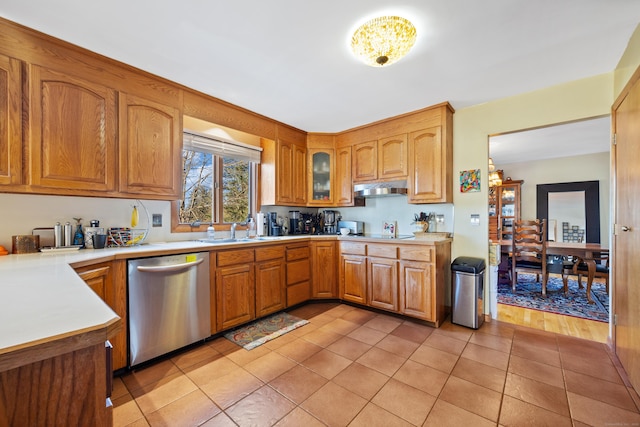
x=564, y=140
x=289, y=60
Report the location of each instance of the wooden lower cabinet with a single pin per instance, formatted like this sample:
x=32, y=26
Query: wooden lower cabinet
x=298, y=274
x=324, y=269
x=235, y=295
x=270, y=288
x=353, y=278
x=109, y=281
x=417, y=290
x=383, y=283
x=63, y=390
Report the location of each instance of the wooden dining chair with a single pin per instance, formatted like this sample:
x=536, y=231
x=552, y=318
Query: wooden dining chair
x=579, y=268
x=528, y=251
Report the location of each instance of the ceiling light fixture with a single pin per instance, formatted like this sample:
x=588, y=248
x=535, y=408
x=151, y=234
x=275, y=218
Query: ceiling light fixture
x=383, y=41
x=495, y=177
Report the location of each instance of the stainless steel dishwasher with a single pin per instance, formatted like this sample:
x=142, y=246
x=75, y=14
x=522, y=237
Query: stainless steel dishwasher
x=168, y=304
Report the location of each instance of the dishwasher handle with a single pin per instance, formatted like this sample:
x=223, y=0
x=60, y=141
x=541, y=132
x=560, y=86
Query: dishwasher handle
x=168, y=268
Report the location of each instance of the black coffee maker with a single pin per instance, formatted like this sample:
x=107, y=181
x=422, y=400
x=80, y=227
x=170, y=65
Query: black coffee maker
x=296, y=225
x=273, y=227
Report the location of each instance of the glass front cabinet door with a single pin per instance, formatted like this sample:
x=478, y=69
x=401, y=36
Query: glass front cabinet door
x=322, y=172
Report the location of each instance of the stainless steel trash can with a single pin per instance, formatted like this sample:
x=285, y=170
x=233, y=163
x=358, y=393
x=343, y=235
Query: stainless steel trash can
x=467, y=292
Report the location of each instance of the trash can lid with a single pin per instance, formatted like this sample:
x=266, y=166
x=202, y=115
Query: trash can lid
x=468, y=265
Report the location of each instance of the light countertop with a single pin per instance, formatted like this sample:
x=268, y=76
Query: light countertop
x=42, y=297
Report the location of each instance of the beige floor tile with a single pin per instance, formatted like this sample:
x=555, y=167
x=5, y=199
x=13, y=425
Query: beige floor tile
x=596, y=413
x=334, y=405
x=396, y=345
x=298, y=350
x=381, y=360
x=531, y=352
x=154, y=396
x=298, y=383
x=444, y=414
x=422, y=377
x=363, y=381
x=413, y=406
x=321, y=337
x=349, y=348
x=282, y=340
x=485, y=355
x=454, y=331
x=192, y=409
x=516, y=413
x=340, y=326
x=491, y=341
x=223, y=345
x=438, y=359
x=206, y=372
x=536, y=371
x=367, y=335
x=264, y=407
x=326, y=363
x=472, y=397
x=119, y=389
x=374, y=416
x=220, y=420
x=498, y=328
x=358, y=316
x=125, y=411
x=536, y=339
x=383, y=323
x=604, y=370
x=196, y=355
x=413, y=332
x=340, y=310
x=230, y=388
x=241, y=356
x=148, y=375
x=299, y=418
x=537, y=393
x=445, y=343
x=597, y=389
x=269, y=366
x=481, y=374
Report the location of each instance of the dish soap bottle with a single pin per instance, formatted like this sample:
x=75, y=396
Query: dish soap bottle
x=78, y=237
x=211, y=233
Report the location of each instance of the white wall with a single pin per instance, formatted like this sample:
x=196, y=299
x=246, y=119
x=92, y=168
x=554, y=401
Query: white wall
x=589, y=167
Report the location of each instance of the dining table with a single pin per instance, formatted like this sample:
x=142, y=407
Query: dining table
x=584, y=251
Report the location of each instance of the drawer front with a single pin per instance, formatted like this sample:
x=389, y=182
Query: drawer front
x=240, y=256
x=354, y=248
x=297, y=271
x=297, y=253
x=271, y=252
x=416, y=253
x=383, y=251
x=298, y=293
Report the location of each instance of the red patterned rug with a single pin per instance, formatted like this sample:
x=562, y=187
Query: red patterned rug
x=263, y=330
x=528, y=294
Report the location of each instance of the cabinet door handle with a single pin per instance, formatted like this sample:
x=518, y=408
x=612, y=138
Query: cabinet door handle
x=109, y=359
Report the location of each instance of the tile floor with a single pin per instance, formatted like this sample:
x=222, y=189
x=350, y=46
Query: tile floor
x=350, y=366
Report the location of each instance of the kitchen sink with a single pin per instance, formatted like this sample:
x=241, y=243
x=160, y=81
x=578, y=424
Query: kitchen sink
x=239, y=240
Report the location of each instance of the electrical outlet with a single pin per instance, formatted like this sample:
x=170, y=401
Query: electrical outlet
x=156, y=220
x=475, y=219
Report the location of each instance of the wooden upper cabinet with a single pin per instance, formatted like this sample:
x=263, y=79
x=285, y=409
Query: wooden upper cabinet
x=299, y=176
x=288, y=169
x=150, y=148
x=10, y=121
x=344, y=179
x=365, y=161
x=392, y=157
x=429, y=168
x=321, y=173
x=72, y=132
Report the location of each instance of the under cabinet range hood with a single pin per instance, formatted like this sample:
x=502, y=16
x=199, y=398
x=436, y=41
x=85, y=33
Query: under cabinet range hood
x=376, y=189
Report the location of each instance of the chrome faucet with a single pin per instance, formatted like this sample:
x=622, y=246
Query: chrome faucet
x=233, y=230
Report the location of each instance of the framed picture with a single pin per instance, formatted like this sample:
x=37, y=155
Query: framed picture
x=470, y=181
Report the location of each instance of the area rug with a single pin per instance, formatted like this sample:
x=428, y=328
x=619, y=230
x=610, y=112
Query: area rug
x=528, y=294
x=263, y=330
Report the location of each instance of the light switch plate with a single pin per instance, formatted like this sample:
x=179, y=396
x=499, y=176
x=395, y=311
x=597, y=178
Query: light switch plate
x=156, y=220
x=475, y=219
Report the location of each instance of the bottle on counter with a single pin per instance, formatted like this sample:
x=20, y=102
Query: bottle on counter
x=68, y=234
x=251, y=228
x=211, y=233
x=58, y=235
x=78, y=237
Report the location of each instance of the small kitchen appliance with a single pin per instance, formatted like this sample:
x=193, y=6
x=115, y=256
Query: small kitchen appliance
x=355, y=227
x=295, y=222
x=330, y=221
x=275, y=229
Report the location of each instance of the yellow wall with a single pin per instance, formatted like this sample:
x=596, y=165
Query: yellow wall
x=628, y=63
x=472, y=126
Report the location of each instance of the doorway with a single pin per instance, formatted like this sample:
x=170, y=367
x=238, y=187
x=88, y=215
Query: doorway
x=558, y=154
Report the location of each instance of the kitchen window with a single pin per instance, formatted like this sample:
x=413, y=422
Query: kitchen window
x=219, y=181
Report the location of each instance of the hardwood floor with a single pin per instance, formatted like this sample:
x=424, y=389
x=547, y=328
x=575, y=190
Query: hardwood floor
x=565, y=325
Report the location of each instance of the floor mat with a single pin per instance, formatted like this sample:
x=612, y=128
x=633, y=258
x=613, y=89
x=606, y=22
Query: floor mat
x=263, y=330
x=528, y=294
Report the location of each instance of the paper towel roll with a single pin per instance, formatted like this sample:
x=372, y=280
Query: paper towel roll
x=259, y=224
